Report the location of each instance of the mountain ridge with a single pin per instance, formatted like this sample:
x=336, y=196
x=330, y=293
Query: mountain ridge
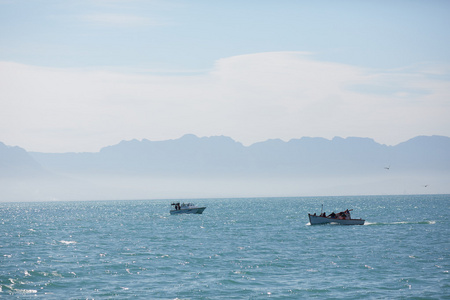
x=219, y=166
x=191, y=154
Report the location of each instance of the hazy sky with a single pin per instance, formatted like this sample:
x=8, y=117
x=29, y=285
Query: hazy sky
x=80, y=75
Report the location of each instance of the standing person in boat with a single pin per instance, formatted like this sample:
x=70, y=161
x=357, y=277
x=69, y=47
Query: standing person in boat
x=347, y=214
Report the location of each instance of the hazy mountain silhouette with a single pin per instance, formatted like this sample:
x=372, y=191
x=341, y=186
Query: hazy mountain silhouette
x=16, y=162
x=219, y=155
x=221, y=167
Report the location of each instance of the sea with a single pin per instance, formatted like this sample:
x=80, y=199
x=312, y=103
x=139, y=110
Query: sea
x=239, y=248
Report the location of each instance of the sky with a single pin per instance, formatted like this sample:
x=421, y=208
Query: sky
x=76, y=76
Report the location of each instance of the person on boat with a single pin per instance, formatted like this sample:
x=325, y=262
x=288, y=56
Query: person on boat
x=332, y=215
x=323, y=215
x=347, y=214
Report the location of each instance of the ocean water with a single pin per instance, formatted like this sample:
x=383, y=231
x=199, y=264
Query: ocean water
x=258, y=248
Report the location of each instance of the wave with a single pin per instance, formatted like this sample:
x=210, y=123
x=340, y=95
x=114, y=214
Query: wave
x=11, y=290
x=68, y=242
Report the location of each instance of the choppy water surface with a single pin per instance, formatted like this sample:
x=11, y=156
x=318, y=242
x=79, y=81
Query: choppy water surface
x=238, y=249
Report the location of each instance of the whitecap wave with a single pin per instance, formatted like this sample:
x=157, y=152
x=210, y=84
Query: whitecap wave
x=67, y=242
x=26, y=291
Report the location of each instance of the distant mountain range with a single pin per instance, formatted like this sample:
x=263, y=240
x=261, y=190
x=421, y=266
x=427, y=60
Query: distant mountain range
x=222, y=157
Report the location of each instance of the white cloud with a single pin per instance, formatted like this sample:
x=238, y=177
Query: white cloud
x=249, y=98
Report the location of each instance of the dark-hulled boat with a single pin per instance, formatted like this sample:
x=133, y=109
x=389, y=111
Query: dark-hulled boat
x=342, y=218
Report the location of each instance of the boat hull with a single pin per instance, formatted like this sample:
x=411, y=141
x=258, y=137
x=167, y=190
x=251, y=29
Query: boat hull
x=196, y=210
x=318, y=220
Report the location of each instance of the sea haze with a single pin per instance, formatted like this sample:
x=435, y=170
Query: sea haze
x=221, y=167
x=259, y=248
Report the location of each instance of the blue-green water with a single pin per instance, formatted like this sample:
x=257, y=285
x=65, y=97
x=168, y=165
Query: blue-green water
x=238, y=249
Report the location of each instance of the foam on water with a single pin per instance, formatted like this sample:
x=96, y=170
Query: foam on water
x=401, y=223
x=68, y=242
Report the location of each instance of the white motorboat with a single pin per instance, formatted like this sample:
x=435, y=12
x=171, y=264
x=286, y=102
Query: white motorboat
x=186, y=208
x=342, y=218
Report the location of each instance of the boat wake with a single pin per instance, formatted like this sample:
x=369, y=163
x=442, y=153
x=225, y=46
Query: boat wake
x=401, y=223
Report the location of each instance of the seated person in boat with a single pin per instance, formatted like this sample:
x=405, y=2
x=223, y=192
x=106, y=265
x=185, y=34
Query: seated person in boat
x=332, y=215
